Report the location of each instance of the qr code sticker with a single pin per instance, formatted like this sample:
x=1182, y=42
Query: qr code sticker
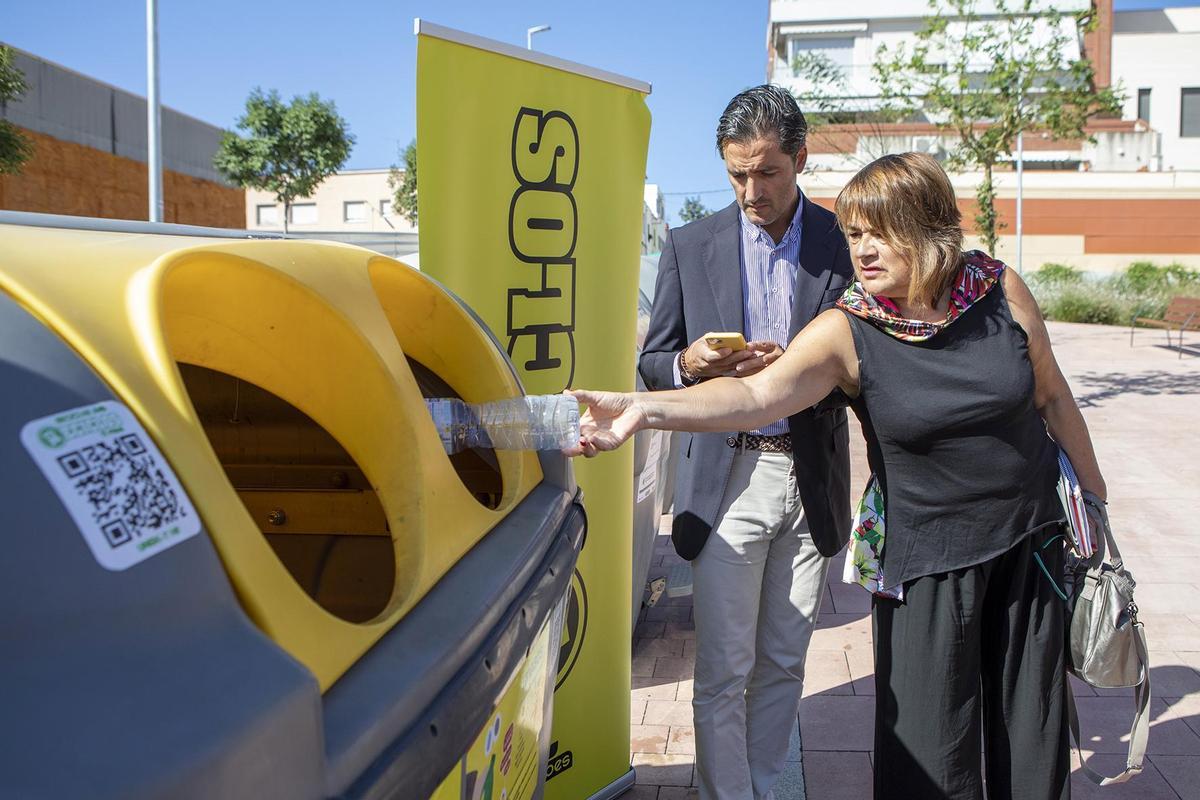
x=124, y=487
x=113, y=481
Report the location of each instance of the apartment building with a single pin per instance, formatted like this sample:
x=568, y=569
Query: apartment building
x=353, y=200
x=654, y=220
x=1156, y=58
x=1129, y=191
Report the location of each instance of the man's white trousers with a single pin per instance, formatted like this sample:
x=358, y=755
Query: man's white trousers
x=757, y=587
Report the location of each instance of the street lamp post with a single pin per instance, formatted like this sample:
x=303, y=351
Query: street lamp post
x=1020, y=196
x=530, y=32
x=153, y=115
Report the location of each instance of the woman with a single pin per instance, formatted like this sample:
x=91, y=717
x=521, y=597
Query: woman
x=947, y=362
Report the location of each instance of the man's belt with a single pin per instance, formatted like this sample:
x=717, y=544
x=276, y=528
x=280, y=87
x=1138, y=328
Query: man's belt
x=781, y=443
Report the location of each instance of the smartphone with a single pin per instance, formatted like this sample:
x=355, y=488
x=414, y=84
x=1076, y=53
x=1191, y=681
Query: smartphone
x=732, y=341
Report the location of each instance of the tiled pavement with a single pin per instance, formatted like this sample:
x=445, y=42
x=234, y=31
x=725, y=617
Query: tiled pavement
x=1142, y=405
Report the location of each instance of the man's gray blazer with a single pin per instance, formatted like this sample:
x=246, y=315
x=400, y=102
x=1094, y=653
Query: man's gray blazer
x=699, y=289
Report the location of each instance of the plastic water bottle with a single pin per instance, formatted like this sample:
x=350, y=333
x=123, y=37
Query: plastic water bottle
x=532, y=422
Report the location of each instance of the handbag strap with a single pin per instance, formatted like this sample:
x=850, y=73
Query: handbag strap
x=1138, y=733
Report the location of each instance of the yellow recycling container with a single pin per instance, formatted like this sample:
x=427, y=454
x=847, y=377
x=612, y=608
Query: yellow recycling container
x=280, y=385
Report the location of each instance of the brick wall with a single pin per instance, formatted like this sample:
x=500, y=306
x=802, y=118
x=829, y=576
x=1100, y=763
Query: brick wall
x=1101, y=235
x=68, y=178
x=1135, y=227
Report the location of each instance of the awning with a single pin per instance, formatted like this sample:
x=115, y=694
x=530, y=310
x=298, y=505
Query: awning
x=796, y=29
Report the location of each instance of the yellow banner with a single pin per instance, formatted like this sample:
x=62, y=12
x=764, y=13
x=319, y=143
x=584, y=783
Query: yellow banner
x=530, y=185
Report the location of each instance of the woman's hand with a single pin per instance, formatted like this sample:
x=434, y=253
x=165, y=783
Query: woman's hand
x=610, y=419
x=1097, y=515
x=820, y=359
x=763, y=354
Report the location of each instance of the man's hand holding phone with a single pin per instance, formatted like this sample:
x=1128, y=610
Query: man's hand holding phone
x=727, y=355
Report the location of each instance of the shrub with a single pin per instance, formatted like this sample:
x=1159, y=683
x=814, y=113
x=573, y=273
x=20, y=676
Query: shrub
x=1081, y=302
x=1145, y=276
x=1143, y=290
x=1052, y=274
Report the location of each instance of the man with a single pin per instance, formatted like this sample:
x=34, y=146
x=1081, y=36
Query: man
x=757, y=512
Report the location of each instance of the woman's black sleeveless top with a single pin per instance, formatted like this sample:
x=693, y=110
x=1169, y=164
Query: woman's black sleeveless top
x=963, y=459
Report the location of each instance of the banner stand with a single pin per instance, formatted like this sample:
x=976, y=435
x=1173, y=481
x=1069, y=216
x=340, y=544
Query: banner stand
x=531, y=183
x=616, y=788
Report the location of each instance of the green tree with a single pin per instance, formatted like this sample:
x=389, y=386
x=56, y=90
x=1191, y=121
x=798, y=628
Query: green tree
x=15, y=147
x=403, y=183
x=289, y=148
x=824, y=98
x=693, y=210
x=828, y=99
x=985, y=71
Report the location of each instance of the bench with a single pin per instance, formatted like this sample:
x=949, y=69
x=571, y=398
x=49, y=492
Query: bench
x=1183, y=314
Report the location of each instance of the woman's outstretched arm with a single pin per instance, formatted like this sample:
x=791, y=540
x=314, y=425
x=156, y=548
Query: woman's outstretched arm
x=819, y=359
x=1052, y=393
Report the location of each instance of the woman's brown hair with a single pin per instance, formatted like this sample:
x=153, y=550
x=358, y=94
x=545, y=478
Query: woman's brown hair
x=908, y=200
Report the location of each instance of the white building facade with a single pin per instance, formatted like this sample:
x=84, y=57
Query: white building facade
x=359, y=202
x=851, y=41
x=654, y=220
x=1153, y=56
x=1133, y=193
x=1156, y=58
x=354, y=200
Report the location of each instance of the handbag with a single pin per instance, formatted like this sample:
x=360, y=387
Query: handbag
x=1106, y=644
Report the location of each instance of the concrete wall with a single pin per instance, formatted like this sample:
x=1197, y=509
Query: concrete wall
x=69, y=178
x=90, y=153
x=75, y=108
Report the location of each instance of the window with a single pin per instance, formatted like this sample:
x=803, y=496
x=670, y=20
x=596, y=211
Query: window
x=385, y=208
x=303, y=214
x=266, y=214
x=1189, y=112
x=1143, y=105
x=354, y=211
x=839, y=50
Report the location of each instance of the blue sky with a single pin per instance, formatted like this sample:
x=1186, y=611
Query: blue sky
x=362, y=55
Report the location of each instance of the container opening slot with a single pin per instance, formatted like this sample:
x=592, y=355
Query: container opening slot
x=477, y=468
x=311, y=501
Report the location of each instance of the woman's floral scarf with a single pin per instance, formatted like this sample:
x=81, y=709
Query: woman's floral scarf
x=865, y=550
x=977, y=277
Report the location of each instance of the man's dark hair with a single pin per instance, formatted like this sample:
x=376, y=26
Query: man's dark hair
x=760, y=112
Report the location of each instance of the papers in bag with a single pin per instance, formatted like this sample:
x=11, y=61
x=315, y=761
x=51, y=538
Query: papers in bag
x=1072, y=499
x=865, y=548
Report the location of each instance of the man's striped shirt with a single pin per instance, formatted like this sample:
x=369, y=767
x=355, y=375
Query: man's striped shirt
x=769, y=286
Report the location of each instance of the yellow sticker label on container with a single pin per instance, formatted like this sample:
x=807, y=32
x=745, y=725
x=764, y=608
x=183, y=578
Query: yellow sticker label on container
x=504, y=763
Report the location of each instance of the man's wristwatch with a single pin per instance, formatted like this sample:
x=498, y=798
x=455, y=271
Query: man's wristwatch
x=685, y=375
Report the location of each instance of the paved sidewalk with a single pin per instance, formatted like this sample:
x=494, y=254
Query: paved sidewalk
x=1142, y=404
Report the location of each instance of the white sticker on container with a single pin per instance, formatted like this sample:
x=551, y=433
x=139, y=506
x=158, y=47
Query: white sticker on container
x=649, y=478
x=114, y=482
